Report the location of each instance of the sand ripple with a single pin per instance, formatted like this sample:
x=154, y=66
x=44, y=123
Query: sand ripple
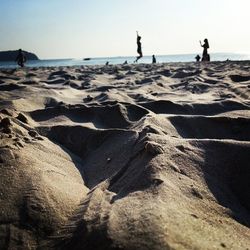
x=125, y=157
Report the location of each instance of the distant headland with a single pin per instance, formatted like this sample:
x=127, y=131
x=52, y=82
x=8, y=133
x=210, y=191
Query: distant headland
x=11, y=55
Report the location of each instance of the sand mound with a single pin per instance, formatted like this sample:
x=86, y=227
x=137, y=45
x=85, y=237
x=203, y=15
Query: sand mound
x=125, y=157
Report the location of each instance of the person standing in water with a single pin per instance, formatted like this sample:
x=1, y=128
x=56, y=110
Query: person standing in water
x=153, y=59
x=139, y=49
x=197, y=58
x=20, y=59
x=205, y=55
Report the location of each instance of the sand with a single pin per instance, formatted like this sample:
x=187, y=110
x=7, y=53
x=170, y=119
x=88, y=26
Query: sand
x=125, y=157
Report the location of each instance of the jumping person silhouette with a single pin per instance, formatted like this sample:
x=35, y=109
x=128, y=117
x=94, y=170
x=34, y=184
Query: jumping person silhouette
x=20, y=59
x=139, y=50
x=205, y=55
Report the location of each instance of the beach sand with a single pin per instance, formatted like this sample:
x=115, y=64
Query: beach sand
x=125, y=157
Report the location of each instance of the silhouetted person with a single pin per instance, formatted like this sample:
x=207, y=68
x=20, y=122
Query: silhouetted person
x=20, y=59
x=153, y=59
x=126, y=62
x=197, y=58
x=205, y=55
x=107, y=63
x=139, y=50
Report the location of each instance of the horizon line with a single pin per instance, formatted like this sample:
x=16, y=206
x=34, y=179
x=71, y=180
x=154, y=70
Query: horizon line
x=159, y=55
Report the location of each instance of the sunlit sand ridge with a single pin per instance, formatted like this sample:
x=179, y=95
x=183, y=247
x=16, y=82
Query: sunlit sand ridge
x=125, y=157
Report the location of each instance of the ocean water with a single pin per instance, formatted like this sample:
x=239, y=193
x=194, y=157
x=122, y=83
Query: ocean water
x=120, y=60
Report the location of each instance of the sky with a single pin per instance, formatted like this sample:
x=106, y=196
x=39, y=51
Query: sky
x=99, y=28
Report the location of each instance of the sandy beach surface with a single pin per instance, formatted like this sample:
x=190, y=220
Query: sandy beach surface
x=125, y=157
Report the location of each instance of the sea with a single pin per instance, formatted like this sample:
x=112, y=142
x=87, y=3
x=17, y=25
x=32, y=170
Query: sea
x=122, y=59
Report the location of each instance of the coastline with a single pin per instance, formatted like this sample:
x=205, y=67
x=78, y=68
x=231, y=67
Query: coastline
x=130, y=59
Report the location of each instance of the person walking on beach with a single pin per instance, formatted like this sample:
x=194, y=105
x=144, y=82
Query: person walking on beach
x=205, y=55
x=153, y=59
x=139, y=49
x=21, y=58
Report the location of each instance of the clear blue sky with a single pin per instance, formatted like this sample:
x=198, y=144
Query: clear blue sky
x=88, y=28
